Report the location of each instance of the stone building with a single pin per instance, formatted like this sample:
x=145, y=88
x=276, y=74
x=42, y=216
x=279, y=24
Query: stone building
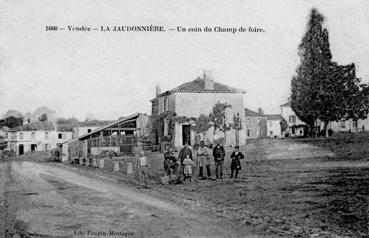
x=190, y=100
x=256, y=124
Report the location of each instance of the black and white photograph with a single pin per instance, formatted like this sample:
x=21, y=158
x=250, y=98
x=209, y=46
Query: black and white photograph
x=163, y=118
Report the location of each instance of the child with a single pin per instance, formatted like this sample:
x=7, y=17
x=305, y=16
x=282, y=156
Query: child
x=187, y=163
x=143, y=169
x=236, y=163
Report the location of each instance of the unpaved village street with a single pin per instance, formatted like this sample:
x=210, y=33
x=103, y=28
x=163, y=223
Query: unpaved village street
x=286, y=189
x=38, y=200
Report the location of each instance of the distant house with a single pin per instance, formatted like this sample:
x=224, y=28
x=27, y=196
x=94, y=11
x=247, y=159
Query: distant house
x=82, y=130
x=119, y=136
x=296, y=127
x=3, y=135
x=274, y=126
x=192, y=99
x=35, y=136
x=256, y=124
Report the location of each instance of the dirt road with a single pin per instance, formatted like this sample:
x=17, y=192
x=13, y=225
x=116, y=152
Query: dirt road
x=38, y=200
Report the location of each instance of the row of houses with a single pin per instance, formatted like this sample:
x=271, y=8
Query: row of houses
x=169, y=109
x=287, y=124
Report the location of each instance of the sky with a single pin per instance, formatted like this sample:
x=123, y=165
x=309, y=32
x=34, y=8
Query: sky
x=108, y=75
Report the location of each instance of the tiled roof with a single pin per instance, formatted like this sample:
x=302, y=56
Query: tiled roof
x=198, y=86
x=250, y=113
x=37, y=126
x=274, y=117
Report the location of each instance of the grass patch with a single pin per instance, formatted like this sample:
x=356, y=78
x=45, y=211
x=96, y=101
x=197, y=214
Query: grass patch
x=345, y=145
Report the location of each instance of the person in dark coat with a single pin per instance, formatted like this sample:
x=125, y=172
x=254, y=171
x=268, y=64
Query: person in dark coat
x=170, y=162
x=236, y=156
x=183, y=154
x=219, y=154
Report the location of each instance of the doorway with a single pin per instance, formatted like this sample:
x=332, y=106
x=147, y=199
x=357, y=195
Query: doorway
x=33, y=147
x=21, y=149
x=186, y=134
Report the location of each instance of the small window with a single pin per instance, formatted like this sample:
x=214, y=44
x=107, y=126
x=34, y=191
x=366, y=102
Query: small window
x=33, y=135
x=60, y=136
x=89, y=130
x=292, y=119
x=342, y=124
x=271, y=133
x=46, y=135
x=21, y=136
x=270, y=123
x=247, y=122
x=248, y=132
x=354, y=124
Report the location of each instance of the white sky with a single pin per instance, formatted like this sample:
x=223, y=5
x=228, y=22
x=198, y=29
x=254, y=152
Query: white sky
x=114, y=74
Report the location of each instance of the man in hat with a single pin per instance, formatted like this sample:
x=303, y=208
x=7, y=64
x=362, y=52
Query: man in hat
x=143, y=169
x=219, y=154
x=183, y=154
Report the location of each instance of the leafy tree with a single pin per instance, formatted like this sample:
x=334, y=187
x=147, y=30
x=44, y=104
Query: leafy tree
x=322, y=89
x=218, y=118
x=237, y=126
x=201, y=125
x=12, y=122
x=43, y=117
x=284, y=124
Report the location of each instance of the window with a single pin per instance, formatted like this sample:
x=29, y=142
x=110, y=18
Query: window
x=292, y=119
x=46, y=135
x=270, y=123
x=60, y=136
x=33, y=135
x=247, y=122
x=248, y=132
x=89, y=130
x=342, y=124
x=354, y=124
x=271, y=133
x=46, y=147
x=20, y=135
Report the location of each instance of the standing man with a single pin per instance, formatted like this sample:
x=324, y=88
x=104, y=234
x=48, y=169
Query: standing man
x=219, y=154
x=142, y=170
x=182, y=155
x=202, y=155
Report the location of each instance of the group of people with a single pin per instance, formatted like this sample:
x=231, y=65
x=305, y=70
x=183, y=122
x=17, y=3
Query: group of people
x=183, y=166
x=185, y=162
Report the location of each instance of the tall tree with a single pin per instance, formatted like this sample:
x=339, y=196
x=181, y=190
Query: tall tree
x=307, y=85
x=322, y=89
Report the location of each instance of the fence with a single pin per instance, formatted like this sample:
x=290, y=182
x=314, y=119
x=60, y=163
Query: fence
x=126, y=144
x=112, y=141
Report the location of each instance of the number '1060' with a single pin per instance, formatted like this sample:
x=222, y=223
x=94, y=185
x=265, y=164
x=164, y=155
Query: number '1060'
x=51, y=28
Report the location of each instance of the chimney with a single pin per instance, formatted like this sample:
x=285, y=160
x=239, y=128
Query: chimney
x=158, y=90
x=208, y=80
x=261, y=111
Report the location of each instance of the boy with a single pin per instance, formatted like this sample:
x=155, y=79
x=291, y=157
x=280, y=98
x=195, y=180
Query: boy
x=236, y=163
x=143, y=169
